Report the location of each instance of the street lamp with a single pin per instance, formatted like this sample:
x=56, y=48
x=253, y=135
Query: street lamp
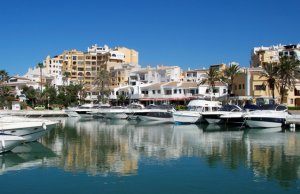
x=48, y=102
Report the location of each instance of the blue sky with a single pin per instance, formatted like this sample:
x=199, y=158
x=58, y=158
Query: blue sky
x=188, y=33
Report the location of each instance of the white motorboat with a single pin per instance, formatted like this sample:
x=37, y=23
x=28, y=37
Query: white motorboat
x=114, y=112
x=87, y=110
x=9, y=142
x=31, y=129
x=213, y=117
x=270, y=115
x=195, y=110
x=162, y=113
x=237, y=117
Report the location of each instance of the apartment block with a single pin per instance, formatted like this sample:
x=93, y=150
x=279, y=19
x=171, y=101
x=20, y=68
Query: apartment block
x=82, y=67
x=155, y=75
x=262, y=55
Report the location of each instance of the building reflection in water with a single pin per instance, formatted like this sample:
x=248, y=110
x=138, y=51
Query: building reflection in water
x=102, y=147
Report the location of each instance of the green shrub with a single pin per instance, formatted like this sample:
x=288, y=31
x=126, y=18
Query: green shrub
x=181, y=107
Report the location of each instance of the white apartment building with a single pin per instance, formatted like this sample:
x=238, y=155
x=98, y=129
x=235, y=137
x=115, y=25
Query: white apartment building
x=53, y=67
x=271, y=54
x=155, y=75
x=169, y=92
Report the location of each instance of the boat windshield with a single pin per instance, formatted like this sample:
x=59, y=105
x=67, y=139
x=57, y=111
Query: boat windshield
x=274, y=107
x=195, y=108
x=251, y=107
x=230, y=107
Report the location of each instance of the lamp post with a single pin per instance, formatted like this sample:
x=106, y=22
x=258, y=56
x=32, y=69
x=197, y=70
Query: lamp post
x=48, y=102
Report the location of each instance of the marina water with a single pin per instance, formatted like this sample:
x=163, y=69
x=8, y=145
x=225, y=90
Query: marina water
x=119, y=156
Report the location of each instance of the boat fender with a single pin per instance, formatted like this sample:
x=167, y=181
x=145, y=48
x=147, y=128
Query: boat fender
x=44, y=126
x=3, y=143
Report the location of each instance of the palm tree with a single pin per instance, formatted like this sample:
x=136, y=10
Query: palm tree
x=66, y=76
x=41, y=66
x=212, y=76
x=3, y=76
x=102, y=82
x=229, y=74
x=270, y=71
x=288, y=72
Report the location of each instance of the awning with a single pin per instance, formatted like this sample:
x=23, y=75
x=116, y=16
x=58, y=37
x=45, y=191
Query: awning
x=297, y=87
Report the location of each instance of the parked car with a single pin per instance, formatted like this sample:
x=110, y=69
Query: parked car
x=39, y=107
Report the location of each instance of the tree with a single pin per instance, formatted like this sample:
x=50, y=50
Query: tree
x=212, y=76
x=3, y=76
x=270, y=72
x=31, y=95
x=41, y=66
x=5, y=91
x=229, y=74
x=102, y=83
x=288, y=72
x=66, y=76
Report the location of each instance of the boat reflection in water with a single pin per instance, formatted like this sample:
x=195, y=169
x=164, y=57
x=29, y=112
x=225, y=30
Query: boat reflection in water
x=121, y=147
x=27, y=156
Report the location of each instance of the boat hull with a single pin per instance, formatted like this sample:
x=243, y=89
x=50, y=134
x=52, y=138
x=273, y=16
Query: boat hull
x=264, y=122
x=9, y=142
x=162, y=117
x=30, y=131
x=187, y=117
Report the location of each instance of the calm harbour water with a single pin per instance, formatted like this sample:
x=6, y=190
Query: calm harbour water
x=106, y=156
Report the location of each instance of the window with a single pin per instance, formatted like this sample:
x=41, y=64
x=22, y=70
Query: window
x=74, y=58
x=216, y=90
x=260, y=87
x=179, y=91
x=224, y=91
x=168, y=92
x=158, y=91
x=175, y=91
x=153, y=91
x=292, y=101
x=243, y=86
x=240, y=86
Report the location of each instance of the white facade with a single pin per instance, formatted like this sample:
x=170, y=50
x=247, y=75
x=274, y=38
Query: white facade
x=53, y=68
x=155, y=75
x=170, y=91
x=94, y=49
x=196, y=75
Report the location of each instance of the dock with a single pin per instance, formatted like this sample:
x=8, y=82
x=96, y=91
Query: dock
x=35, y=113
x=293, y=119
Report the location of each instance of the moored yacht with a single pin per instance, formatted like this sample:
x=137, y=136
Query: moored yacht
x=270, y=115
x=213, y=117
x=114, y=112
x=195, y=110
x=237, y=117
x=86, y=110
x=31, y=129
x=162, y=113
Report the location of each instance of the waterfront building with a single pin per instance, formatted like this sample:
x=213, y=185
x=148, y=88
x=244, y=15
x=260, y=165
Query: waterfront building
x=262, y=55
x=175, y=92
x=82, y=67
x=53, y=67
x=250, y=83
x=157, y=74
x=119, y=74
x=18, y=82
x=34, y=74
x=195, y=75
